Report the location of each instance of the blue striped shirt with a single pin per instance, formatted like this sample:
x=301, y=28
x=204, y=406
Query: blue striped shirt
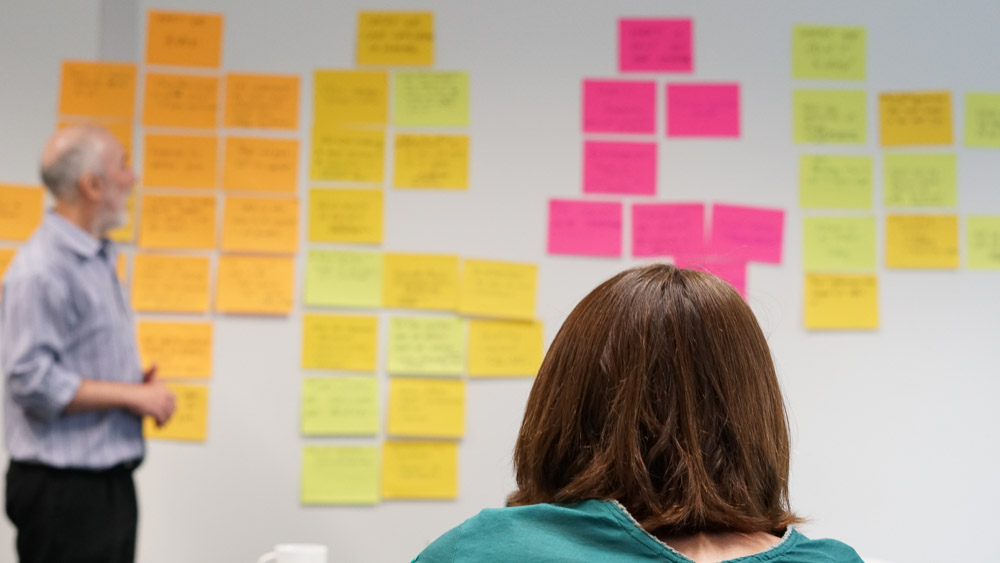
x=63, y=318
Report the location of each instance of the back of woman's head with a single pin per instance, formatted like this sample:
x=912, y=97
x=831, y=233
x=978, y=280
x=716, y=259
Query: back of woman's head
x=659, y=392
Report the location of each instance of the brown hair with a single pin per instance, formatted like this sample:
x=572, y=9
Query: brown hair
x=659, y=392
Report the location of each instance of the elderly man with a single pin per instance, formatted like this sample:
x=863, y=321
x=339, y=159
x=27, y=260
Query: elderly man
x=75, y=393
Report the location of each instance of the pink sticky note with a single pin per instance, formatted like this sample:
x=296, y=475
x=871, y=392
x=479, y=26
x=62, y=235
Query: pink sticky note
x=619, y=106
x=668, y=229
x=619, y=168
x=655, y=45
x=585, y=228
x=750, y=234
x=703, y=110
x=732, y=272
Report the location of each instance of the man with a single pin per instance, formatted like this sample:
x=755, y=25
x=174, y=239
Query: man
x=74, y=392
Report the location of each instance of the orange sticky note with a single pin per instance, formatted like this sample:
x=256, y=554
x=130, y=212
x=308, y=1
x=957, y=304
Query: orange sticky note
x=121, y=269
x=921, y=241
x=267, y=165
x=21, y=210
x=184, y=39
x=396, y=38
x=178, y=100
x=126, y=232
x=180, y=161
x=177, y=222
x=255, y=285
x=915, y=118
x=190, y=420
x=179, y=349
x=257, y=224
x=262, y=101
x=170, y=284
x=345, y=215
x=348, y=96
x=96, y=89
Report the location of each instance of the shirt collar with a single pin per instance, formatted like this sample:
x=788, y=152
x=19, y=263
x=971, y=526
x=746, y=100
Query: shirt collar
x=75, y=239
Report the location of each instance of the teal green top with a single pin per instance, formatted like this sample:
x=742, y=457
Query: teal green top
x=592, y=530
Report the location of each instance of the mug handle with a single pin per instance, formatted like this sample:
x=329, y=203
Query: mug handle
x=269, y=556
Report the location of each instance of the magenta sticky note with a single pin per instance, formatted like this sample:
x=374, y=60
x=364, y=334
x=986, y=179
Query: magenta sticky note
x=656, y=45
x=668, y=229
x=733, y=272
x=619, y=106
x=703, y=110
x=619, y=168
x=752, y=234
x=585, y=228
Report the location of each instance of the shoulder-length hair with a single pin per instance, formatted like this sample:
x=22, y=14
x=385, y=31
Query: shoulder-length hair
x=659, y=392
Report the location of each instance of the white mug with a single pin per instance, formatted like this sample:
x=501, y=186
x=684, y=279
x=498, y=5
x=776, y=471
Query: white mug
x=295, y=553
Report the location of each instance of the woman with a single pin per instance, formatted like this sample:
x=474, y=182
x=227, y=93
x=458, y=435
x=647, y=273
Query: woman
x=655, y=431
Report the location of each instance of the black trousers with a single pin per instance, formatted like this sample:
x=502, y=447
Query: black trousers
x=72, y=515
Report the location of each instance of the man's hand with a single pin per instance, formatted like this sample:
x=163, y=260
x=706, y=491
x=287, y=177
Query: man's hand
x=154, y=399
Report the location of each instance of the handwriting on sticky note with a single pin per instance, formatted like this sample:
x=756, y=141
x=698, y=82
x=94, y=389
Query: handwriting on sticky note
x=184, y=39
x=841, y=302
x=619, y=168
x=396, y=38
x=340, y=406
x=982, y=119
x=920, y=180
x=178, y=100
x=340, y=475
x=431, y=161
x=97, y=89
x=257, y=224
x=729, y=270
x=703, y=110
x=348, y=155
x=915, y=118
x=345, y=215
x=339, y=342
x=655, y=45
x=499, y=289
x=668, y=229
x=983, y=236
x=747, y=233
x=922, y=241
x=419, y=470
x=504, y=348
x=342, y=278
x=438, y=99
x=177, y=222
x=420, y=281
x=255, y=285
x=180, y=161
x=21, y=209
x=179, y=349
x=830, y=116
x=834, y=244
x=263, y=165
x=618, y=106
x=262, y=101
x=835, y=182
x=426, y=407
x=170, y=284
x=585, y=228
x=350, y=97
x=190, y=419
x=828, y=52
x=426, y=346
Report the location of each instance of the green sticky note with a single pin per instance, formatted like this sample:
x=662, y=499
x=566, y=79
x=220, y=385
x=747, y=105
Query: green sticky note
x=830, y=116
x=982, y=119
x=337, y=278
x=340, y=475
x=920, y=180
x=835, y=182
x=340, y=406
x=431, y=99
x=835, y=244
x=426, y=346
x=828, y=52
x=983, y=232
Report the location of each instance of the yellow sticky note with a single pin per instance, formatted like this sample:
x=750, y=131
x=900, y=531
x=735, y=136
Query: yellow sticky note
x=504, y=348
x=262, y=101
x=396, y=38
x=260, y=224
x=834, y=244
x=426, y=346
x=253, y=285
x=499, y=289
x=828, y=52
x=6, y=255
x=179, y=349
x=350, y=97
x=180, y=161
x=431, y=99
x=340, y=406
x=126, y=232
x=830, y=116
x=982, y=119
x=345, y=215
x=420, y=281
x=264, y=165
x=431, y=161
x=342, y=278
x=419, y=470
x=920, y=180
x=184, y=39
x=179, y=100
x=21, y=209
x=97, y=89
x=915, y=118
x=339, y=342
x=426, y=407
x=835, y=182
x=190, y=419
x=983, y=236
x=121, y=269
x=170, y=284
x=841, y=302
x=177, y=222
x=922, y=241
x=348, y=155
x=346, y=475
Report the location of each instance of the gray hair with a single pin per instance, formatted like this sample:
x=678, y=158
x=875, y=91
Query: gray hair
x=81, y=156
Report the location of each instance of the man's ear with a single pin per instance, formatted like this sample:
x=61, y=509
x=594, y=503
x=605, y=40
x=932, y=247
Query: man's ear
x=90, y=187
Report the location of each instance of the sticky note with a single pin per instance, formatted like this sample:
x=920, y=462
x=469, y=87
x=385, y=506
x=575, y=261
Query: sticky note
x=184, y=39
x=915, y=118
x=177, y=222
x=619, y=168
x=340, y=406
x=180, y=100
x=834, y=244
x=21, y=209
x=431, y=161
x=179, y=349
x=830, y=116
x=655, y=45
x=262, y=101
x=170, y=284
x=920, y=180
x=426, y=407
x=349, y=96
x=345, y=215
x=126, y=232
x=342, y=278
x=747, y=233
x=339, y=342
x=822, y=52
x=731, y=271
x=342, y=475
x=396, y=38
x=435, y=99
x=585, y=228
x=261, y=165
x=121, y=269
x=190, y=420
x=982, y=119
x=260, y=224
x=253, y=285
x=420, y=281
x=983, y=239
x=499, y=289
x=619, y=106
x=668, y=229
x=348, y=155
x=419, y=470
x=97, y=89
x=6, y=255
x=426, y=346
x=841, y=302
x=703, y=110
x=504, y=348
x=835, y=182
x=180, y=161
x=922, y=241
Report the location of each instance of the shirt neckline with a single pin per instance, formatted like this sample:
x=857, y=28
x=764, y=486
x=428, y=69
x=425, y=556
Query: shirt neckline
x=75, y=239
